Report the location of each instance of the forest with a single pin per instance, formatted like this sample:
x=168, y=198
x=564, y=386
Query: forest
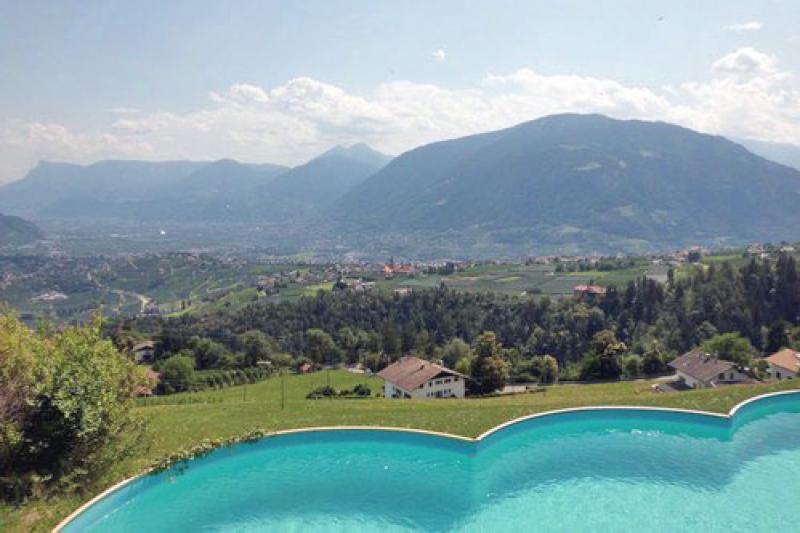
x=755, y=306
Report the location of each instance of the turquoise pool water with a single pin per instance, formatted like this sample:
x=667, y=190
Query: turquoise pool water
x=620, y=470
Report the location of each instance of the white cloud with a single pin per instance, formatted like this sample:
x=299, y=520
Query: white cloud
x=745, y=61
x=746, y=94
x=439, y=55
x=752, y=25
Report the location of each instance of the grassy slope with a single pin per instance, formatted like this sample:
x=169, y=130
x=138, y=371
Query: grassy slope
x=181, y=421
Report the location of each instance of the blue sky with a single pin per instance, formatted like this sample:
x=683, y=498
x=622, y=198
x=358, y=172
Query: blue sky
x=281, y=81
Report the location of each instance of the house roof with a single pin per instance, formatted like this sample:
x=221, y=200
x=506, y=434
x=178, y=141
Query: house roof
x=590, y=289
x=146, y=345
x=701, y=366
x=787, y=358
x=398, y=269
x=410, y=372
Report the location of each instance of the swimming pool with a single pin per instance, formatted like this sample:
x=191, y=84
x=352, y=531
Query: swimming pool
x=620, y=469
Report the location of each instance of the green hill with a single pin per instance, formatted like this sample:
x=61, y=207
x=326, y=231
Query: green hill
x=15, y=230
x=581, y=179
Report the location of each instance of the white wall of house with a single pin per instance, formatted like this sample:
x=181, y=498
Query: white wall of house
x=390, y=390
x=690, y=381
x=728, y=376
x=780, y=373
x=441, y=387
x=143, y=355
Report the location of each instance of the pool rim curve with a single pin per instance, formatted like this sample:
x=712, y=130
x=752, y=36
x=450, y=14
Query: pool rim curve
x=440, y=434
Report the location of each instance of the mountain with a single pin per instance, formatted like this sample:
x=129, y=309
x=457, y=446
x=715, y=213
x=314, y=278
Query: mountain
x=585, y=179
x=187, y=191
x=324, y=179
x=15, y=230
x=68, y=184
x=785, y=154
x=131, y=189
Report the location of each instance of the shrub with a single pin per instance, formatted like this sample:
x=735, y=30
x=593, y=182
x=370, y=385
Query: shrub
x=322, y=392
x=361, y=390
x=177, y=374
x=65, y=406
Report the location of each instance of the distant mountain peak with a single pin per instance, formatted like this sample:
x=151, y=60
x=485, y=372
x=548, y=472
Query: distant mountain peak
x=359, y=152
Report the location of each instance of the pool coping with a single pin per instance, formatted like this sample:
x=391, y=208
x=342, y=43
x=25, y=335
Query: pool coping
x=555, y=412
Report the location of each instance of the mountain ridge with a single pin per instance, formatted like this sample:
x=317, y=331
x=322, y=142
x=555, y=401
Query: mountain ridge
x=580, y=177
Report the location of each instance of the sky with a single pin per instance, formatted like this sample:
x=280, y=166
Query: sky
x=280, y=82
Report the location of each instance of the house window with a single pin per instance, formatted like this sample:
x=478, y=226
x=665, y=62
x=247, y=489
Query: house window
x=722, y=376
x=778, y=375
x=732, y=376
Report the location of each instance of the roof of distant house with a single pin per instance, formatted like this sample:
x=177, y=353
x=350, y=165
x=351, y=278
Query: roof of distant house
x=590, y=289
x=700, y=365
x=410, y=372
x=145, y=345
x=390, y=268
x=786, y=358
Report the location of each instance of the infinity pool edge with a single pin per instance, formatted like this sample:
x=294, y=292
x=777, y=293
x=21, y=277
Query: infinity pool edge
x=492, y=431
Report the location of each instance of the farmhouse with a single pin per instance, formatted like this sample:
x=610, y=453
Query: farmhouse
x=392, y=268
x=592, y=292
x=698, y=370
x=144, y=352
x=784, y=364
x=411, y=377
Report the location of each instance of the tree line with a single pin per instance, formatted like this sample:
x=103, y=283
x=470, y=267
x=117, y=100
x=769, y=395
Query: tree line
x=634, y=329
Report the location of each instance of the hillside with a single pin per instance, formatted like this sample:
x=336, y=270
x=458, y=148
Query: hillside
x=581, y=179
x=324, y=179
x=15, y=230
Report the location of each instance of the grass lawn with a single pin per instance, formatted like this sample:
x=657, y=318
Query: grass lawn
x=183, y=420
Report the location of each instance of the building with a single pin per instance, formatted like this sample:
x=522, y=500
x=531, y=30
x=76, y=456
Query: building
x=390, y=269
x=411, y=377
x=589, y=291
x=144, y=352
x=698, y=370
x=784, y=364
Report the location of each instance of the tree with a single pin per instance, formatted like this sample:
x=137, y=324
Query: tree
x=176, y=374
x=207, y=353
x=320, y=347
x=603, y=360
x=392, y=343
x=730, y=347
x=777, y=336
x=488, y=370
x=546, y=367
x=256, y=346
x=632, y=365
x=653, y=361
x=455, y=350
x=65, y=407
x=464, y=366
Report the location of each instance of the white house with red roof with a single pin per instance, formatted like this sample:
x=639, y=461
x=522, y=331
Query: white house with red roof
x=412, y=377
